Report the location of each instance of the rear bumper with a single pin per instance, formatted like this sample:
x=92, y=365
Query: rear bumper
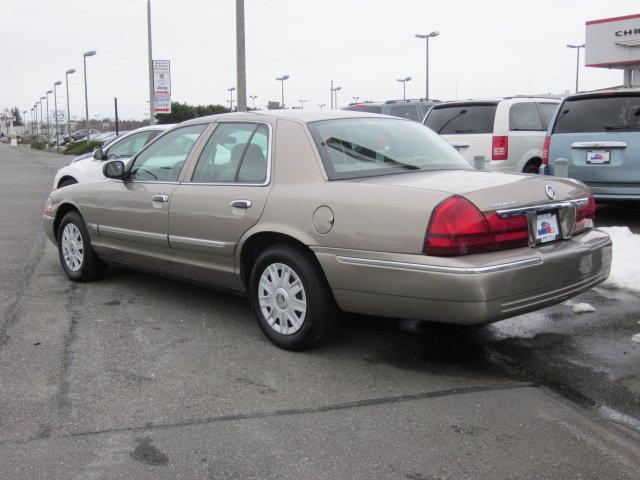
x=615, y=191
x=473, y=289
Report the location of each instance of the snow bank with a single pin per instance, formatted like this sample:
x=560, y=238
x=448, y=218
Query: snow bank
x=636, y=338
x=582, y=308
x=625, y=267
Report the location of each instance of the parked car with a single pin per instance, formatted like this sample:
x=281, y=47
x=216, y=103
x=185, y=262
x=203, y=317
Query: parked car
x=599, y=134
x=308, y=212
x=88, y=167
x=82, y=134
x=410, y=109
x=509, y=131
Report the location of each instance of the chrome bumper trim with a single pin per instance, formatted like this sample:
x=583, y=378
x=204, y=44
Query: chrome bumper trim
x=133, y=233
x=369, y=262
x=511, y=212
x=198, y=241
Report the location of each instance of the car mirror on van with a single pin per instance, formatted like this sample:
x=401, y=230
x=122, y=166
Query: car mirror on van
x=114, y=169
x=98, y=154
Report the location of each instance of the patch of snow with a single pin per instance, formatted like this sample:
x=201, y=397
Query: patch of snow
x=636, y=338
x=625, y=269
x=580, y=307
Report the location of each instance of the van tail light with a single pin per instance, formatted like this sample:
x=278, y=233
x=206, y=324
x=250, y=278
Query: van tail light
x=585, y=215
x=500, y=148
x=545, y=150
x=457, y=227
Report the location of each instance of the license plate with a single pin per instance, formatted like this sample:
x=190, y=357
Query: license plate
x=598, y=157
x=547, y=227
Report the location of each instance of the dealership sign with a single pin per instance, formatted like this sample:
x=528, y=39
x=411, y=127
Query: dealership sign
x=613, y=42
x=162, y=86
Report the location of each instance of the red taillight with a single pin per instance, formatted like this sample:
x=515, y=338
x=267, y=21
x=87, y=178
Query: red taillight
x=585, y=215
x=457, y=227
x=500, y=148
x=545, y=150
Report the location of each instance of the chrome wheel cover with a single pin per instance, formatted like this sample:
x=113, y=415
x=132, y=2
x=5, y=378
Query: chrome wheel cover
x=282, y=298
x=72, y=247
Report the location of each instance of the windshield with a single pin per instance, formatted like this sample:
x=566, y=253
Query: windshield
x=360, y=147
x=461, y=119
x=599, y=114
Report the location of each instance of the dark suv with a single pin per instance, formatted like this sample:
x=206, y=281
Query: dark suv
x=411, y=109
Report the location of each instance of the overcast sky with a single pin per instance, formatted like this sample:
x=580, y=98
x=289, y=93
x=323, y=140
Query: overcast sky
x=490, y=48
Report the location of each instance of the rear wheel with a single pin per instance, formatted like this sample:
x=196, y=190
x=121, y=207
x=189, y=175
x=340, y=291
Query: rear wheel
x=532, y=166
x=291, y=299
x=79, y=261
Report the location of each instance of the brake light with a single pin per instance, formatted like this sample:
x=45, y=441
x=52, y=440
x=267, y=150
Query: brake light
x=457, y=227
x=500, y=148
x=545, y=150
x=585, y=215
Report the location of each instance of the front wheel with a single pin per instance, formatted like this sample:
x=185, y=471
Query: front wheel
x=291, y=298
x=79, y=261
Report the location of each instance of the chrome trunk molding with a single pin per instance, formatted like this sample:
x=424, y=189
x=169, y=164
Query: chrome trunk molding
x=369, y=262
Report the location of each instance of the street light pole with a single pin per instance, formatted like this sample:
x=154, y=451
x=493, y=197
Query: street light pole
x=253, y=98
x=577, y=47
x=282, y=79
x=41, y=116
x=241, y=70
x=230, y=90
x=355, y=99
x=334, y=95
x=302, y=104
x=427, y=37
x=48, y=117
x=90, y=53
x=152, y=116
x=321, y=105
x=404, y=86
x=66, y=74
x=55, y=113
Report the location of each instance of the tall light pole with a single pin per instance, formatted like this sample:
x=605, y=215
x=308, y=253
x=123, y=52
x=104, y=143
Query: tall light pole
x=35, y=108
x=427, y=37
x=282, y=79
x=24, y=119
x=241, y=70
x=322, y=105
x=152, y=113
x=355, y=99
x=253, y=99
x=41, y=117
x=55, y=113
x=90, y=53
x=66, y=75
x=230, y=90
x=577, y=47
x=334, y=96
x=530, y=82
x=404, y=86
x=48, y=117
x=302, y=104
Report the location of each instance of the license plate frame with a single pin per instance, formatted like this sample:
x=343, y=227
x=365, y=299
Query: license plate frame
x=598, y=157
x=547, y=227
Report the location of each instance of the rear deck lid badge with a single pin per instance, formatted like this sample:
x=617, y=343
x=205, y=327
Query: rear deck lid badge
x=551, y=193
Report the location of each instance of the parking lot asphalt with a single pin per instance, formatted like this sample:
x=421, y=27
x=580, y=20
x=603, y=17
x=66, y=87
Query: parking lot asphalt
x=137, y=376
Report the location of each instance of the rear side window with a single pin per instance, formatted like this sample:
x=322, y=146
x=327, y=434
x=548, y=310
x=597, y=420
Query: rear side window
x=524, y=116
x=599, y=114
x=459, y=119
x=546, y=112
x=410, y=112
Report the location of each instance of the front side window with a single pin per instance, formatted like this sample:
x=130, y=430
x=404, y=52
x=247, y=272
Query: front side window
x=524, y=116
x=361, y=147
x=236, y=152
x=601, y=113
x=163, y=160
x=128, y=147
x=468, y=118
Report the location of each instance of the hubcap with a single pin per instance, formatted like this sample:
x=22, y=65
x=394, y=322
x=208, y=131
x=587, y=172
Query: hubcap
x=282, y=298
x=72, y=247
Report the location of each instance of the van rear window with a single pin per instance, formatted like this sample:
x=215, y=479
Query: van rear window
x=599, y=114
x=461, y=119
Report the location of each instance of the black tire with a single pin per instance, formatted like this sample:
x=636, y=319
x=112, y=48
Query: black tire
x=532, y=166
x=67, y=182
x=321, y=310
x=91, y=266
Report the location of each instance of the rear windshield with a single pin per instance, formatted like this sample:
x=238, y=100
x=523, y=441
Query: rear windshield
x=362, y=147
x=365, y=108
x=461, y=119
x=599, y=114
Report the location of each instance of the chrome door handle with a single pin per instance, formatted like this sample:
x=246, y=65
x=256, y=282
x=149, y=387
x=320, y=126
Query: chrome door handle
x=241, y=203
x=160, y=198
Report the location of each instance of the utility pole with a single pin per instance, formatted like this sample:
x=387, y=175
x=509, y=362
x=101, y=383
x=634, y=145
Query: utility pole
x=152, y=115
x=241, y=68
x=115, y=106
x=577, y=47
x=66, y=74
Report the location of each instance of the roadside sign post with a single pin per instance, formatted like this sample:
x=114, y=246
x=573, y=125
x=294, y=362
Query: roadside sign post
x=161, y=86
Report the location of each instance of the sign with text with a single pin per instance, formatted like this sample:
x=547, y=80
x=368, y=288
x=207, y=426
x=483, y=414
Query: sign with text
x=162, y=77
x=162, y=103
x=613, y=42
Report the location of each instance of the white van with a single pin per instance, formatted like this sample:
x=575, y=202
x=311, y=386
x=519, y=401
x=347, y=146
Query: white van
x=509, y=131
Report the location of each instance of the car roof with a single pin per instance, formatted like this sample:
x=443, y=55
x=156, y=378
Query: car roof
x=299, y=116
x=604, y=93
x=496, y=100
x=159, y=126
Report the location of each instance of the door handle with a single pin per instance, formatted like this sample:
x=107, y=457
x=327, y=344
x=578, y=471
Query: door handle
x=241, y=203
x=160, y=198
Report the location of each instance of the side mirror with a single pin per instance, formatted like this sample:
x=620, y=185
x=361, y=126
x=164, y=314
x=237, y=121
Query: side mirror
x=98, y=154
x=114, y=169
